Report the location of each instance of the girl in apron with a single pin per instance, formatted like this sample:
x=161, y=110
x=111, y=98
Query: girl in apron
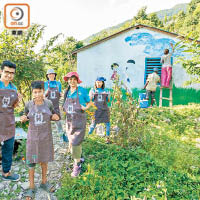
x=39, y=146
x=53, y=91
x=101, y=96
x=76, y=101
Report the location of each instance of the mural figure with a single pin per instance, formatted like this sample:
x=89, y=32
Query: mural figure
x=127, y=82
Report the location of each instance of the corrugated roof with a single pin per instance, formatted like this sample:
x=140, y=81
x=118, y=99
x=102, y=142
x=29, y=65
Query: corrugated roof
x=125, y=30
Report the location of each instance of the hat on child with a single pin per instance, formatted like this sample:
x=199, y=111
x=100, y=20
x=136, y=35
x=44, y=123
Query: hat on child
x=70, y=74
x=155, y=69
x=100, y=79
x=51, y=71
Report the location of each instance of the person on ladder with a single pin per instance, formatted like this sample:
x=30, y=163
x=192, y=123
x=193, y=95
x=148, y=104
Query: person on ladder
x=151, y=85
x=166, y=72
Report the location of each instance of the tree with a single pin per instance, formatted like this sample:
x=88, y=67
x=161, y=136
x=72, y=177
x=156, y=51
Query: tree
x=20, y=50
x=141, y=14
x=61, y=59
x=192, y=63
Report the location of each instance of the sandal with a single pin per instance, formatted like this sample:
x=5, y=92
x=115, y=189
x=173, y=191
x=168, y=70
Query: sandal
x=108, y=141
x=30, y=193
x=47, y=187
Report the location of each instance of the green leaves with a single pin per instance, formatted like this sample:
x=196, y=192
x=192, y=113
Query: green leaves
x=118, y=173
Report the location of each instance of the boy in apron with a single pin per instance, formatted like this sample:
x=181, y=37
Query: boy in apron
x=76, y=102
x=39, y=146
x=9, y=99
x=53, y=91
x=100, y=96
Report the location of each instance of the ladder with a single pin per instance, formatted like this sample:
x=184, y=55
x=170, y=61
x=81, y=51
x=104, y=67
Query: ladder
x=170, y=95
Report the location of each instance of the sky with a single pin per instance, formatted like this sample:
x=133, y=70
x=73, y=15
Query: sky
x=82, y=18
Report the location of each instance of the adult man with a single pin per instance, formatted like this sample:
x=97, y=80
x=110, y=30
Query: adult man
x=8, y=101
x=151, y=85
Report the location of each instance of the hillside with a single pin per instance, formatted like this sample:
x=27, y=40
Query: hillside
x=161, y=15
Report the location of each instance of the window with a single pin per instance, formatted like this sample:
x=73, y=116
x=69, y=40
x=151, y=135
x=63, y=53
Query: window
x=151, y=63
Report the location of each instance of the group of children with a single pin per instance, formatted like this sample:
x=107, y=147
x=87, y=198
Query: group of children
x=44, y=107
x=40, y=111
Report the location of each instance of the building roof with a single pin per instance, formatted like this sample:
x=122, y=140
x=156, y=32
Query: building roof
x=126, y=30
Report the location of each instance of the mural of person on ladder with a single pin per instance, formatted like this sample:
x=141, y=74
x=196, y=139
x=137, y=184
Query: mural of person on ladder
x=166, y=72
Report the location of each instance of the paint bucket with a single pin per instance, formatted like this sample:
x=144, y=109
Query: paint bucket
x=142, y=96
x=144, y=103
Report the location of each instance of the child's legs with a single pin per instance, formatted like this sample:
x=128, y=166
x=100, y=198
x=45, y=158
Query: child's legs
x=76, y=152
x=44, y=172
x=92, y=127
x=31, y=172
x=153, y=99
x=107, y=129
x=169, y=76
x=163, y=76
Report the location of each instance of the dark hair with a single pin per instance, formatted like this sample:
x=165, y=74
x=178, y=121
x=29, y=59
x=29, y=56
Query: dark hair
x=48, y=78
x=37, y=85
x=67, y=90
x=73, y=76
x=102, y=87
x=112, y=66
x=9, y=64
x=166, y=51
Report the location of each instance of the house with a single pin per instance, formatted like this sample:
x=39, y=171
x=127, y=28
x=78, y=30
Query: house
x=135, y=51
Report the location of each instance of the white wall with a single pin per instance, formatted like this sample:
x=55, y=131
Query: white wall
x=96, y=61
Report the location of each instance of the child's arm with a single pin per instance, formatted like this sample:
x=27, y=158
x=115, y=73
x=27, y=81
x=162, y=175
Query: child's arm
x=147, y=82
x=24, y=118
x=91, y=94
x=55, y=117
x=146, y=85
x=108, y=97
x=18, y=100
x=88, y=105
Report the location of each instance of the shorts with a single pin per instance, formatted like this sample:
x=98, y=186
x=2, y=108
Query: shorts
x=150, y=93
x=31, y=165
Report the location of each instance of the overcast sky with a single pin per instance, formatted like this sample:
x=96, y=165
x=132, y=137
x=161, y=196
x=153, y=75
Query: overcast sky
x=82, y=18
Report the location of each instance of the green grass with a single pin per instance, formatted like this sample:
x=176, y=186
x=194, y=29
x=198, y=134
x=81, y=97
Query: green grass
x=165, y=165
x=181, y=96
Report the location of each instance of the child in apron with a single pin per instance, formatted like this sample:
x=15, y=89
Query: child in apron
x=100, y=96
x=53, y=91
x=76, y=101
x=39, y=146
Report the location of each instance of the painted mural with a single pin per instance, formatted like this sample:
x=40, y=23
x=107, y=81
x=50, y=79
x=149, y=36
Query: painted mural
x=125, y=75
x=153, y=47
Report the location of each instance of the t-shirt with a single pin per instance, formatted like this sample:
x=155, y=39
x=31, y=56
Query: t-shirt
x=82, y=94
x=10, y=86
x=31, y=103
x=166, y=60
x=99, y=91
x=153, y=79
x=52, y=84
